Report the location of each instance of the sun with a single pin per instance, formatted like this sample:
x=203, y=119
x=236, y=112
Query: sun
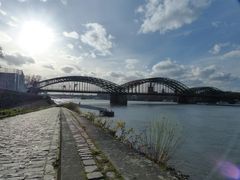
x=35, y=37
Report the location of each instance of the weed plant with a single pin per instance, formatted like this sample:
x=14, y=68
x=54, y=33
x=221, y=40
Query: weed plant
x=158, y=141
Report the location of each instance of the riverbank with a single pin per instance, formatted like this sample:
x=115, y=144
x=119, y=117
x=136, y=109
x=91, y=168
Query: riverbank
x=10, y=99
x=82, y=148
x=23, y=108
x=130, y=163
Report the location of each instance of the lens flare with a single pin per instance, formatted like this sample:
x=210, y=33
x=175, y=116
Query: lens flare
x=229, y=170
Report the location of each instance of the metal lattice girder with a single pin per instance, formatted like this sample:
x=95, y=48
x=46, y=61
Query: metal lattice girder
x=104, y=84
x=206, y=90
x=172, y=84
x=110, y=87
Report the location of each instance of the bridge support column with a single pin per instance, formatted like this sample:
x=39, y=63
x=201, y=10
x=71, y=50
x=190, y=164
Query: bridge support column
x=118, y=99
x=185, y=100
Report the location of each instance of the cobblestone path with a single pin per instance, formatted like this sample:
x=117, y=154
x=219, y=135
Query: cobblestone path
x=85, y=147
x=96, y=165
x=29, y=145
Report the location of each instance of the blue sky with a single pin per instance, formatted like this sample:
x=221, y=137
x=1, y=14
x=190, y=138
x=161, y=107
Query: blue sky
x=194, y=41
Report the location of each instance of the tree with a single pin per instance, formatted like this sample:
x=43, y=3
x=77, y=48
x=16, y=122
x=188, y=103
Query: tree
x=31, y=80
x=1, y=52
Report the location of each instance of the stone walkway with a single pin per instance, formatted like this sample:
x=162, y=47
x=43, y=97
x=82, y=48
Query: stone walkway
x=29, y=145
x=71, y=166
x=130, y=164
x=87, y=151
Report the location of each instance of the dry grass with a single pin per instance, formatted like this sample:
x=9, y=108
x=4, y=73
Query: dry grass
x=72, y=106
x=158, y=141
x=161, y=139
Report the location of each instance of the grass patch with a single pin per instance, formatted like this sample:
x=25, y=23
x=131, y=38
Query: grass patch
x=106, y=166
x=72, y=106
x=17, y=111
x=12, y=112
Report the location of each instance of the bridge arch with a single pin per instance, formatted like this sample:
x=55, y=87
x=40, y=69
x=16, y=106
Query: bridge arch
x=108, y=86
x=206, y=90
x=176, y=86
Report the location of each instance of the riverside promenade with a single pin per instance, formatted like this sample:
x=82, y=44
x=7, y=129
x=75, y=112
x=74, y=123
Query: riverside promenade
x=29, y=145
x=57, y=143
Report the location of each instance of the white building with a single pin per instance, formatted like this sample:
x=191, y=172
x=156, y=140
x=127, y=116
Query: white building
x=12, y=79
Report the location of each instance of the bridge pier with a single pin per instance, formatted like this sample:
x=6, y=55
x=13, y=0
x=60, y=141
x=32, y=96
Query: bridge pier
x=186, y=100
x=118, y=99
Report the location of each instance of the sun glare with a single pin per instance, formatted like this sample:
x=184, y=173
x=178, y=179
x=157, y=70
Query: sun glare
x=35, y=37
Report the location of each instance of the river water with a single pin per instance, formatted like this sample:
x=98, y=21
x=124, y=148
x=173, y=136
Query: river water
x=210, y=147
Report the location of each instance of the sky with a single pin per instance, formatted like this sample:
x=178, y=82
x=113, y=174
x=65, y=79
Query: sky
x=196, y=42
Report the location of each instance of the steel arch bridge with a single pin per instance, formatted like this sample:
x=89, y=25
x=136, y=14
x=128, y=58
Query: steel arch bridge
x=156, y=85
x=84, y=84
x=80, y=84
x=149, y=87
x=206, y=91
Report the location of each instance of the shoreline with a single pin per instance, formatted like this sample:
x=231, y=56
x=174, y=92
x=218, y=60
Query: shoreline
x=140, y=164
x=102, y=138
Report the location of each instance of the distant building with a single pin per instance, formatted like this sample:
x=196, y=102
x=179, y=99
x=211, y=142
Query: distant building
x=12, y=79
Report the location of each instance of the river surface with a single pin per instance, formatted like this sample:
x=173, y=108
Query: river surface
x=210, y=147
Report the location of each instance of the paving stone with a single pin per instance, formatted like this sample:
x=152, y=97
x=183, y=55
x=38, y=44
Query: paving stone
x=86, y=157
x=110, y=174
x=89, y=162
x=49, y=169
x=27, y=143
x=94, y=175
x=89, y=169
x=85, y=154
x=48, y=177
x=99, y=158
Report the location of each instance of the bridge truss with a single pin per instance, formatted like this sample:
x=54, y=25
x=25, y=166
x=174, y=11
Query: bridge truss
x=151, y=87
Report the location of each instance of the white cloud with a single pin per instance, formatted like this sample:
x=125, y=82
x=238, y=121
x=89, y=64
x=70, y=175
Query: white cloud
x=93, y=55
x=232, y=54
x=223, y=77
x=168, y=68
x=131, y=63
x=98, y=38
x=216, y=24
x=216, y=49
x=120, y=77
x=3, y=12
x=167, y=15
x=67, y=69
x=49, y=66
x=70, y=46
x=28, y=0
x=72, y=34
x=64, y=2
x=193, y=75
x=4, y=38
x=12, y=24
x=203, y=73
x=17, y=59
